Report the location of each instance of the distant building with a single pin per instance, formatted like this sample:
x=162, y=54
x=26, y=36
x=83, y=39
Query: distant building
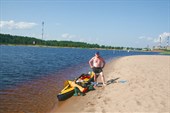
x=144, y=49
x=124, y=48
x=168, y=47
x=161, y=47
x=156, y=47
x=33, y=42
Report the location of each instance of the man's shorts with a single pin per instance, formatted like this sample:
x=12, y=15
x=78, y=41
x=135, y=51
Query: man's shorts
x=97, y=70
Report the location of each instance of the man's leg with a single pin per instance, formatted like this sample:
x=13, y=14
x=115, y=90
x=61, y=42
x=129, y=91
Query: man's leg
x=103, y=78
x=95, y=77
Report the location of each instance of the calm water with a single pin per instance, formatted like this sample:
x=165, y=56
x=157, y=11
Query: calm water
x=30, y=77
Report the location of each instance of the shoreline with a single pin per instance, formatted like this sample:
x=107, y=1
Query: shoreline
x=162, y=52
x=72, y=47
x=145, y=88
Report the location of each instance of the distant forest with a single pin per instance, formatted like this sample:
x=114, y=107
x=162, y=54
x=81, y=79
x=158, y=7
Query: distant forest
x=24, y=40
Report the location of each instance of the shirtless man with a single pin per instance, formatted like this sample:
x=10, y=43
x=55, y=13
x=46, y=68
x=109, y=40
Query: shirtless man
x=97, y=63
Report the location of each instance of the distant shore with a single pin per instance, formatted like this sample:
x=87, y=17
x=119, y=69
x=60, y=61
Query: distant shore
x=139, y=84
x=25, y=40
x=73, y=47
x=163, y=52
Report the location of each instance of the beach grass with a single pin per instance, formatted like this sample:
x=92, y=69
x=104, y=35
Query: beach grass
x=167, y=52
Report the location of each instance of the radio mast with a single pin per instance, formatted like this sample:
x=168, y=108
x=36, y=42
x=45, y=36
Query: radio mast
x=160, y=42
x=42, y=29
x=167, y=42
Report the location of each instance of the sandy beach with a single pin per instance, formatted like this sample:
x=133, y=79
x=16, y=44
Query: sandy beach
x=135, y=84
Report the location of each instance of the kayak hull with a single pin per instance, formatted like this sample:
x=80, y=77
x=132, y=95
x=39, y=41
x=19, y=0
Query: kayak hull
x=64, y=96
x=68, y=90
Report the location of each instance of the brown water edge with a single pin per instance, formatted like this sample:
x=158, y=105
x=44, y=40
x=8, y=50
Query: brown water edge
x=33, y=97
x=37, y=96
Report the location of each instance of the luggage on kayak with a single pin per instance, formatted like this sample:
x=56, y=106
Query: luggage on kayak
x=82, y=83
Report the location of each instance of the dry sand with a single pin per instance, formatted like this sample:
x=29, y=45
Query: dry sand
x=145, y=88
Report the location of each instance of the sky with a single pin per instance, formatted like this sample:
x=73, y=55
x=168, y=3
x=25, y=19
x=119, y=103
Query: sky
x=127, y=23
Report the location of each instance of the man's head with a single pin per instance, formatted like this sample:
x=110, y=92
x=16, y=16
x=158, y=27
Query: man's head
x=97, y=54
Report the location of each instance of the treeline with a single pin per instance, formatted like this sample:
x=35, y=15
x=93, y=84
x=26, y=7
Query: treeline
x=24, y=40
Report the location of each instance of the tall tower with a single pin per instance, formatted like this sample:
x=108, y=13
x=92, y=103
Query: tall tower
x=167, y=44
x=42, y=30
x=160, y=42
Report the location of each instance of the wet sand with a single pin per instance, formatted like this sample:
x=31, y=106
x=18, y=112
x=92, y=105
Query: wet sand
x=136, y=84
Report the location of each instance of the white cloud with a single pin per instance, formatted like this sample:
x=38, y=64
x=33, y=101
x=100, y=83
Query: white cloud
x=163, y=37
x=67, y=36
x=16, y=25
x=157, y=39
x=72, y=37
x=145, y=38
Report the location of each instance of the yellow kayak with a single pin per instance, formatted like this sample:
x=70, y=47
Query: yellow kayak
x=69, y=86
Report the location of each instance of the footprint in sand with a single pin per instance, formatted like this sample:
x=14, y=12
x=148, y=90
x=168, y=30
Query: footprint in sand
x=138, y=103
x=90, y=110
x=90, y=104
x=131, y=90
x=90, y=107
x=105, y=101
x=103, y=111
x=99, y=97
x=163, y=104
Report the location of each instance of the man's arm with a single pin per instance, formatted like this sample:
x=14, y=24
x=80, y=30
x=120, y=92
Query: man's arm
x=103, y=62
x=90, y=62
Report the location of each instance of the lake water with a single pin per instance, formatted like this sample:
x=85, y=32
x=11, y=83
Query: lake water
x=31, y=77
